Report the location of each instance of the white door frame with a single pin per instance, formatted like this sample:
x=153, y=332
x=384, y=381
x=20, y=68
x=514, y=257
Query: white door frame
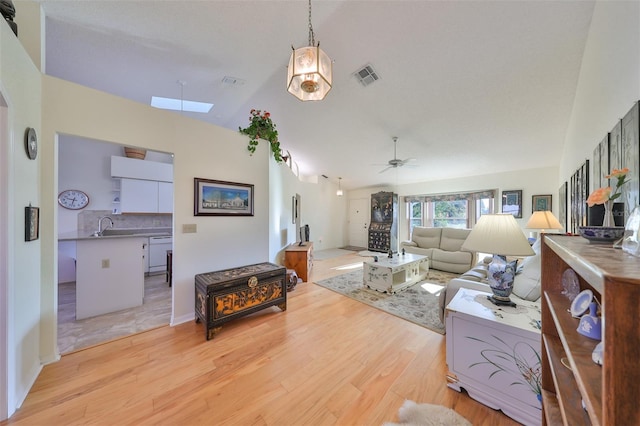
x=7, y=374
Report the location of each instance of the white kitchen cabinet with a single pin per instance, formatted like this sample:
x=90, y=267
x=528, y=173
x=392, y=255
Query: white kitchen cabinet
x=131, y=168
x=165, y=197
x=146, y=196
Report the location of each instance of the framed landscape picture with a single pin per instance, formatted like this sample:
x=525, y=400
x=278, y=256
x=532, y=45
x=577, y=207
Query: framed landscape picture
x=540, y=203
x=512, y=202
x=221, y=198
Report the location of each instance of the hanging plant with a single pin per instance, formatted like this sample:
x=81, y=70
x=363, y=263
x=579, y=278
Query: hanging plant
x=262, y=127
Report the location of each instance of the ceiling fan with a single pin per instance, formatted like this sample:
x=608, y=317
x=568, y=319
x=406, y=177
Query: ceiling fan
x=392, y=164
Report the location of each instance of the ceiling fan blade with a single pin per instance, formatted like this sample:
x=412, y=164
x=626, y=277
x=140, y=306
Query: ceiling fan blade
x=384, y=170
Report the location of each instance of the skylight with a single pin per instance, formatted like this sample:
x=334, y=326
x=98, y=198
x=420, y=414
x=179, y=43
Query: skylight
x=180, y=105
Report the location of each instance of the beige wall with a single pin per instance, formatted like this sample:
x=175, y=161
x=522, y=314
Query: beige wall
x=201, y=150
x=609, y=80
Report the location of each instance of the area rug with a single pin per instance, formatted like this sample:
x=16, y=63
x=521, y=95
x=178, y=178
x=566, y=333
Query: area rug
x=414, y=414
x=414, y=304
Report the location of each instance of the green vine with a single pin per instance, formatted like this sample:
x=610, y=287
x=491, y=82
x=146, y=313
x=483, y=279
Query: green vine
x=262, y=127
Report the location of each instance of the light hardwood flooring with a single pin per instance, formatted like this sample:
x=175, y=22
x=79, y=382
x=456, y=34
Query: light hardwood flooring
x=326, y=360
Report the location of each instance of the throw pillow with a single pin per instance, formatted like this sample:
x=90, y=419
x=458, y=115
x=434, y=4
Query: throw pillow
x=501, y=275
x=528, y=282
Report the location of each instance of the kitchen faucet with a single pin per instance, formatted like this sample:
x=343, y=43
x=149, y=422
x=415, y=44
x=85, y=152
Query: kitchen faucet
x=100, y=230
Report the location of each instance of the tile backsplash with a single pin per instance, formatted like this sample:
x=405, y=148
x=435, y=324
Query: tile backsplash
x=88, y=220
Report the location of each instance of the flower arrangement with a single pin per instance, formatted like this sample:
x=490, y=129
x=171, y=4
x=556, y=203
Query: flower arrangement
x=603, y=195
x=262, y=127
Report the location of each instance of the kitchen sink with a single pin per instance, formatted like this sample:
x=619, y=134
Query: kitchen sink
x=135, y=231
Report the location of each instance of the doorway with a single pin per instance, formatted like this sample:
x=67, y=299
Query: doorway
x=85, y=164
x=358, y=222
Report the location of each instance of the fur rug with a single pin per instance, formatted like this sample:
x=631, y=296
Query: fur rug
x=413, y=414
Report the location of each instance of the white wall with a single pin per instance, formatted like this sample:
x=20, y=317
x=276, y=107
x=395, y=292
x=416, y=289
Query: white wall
x=21, y=86
x=609, y=81
x=531, y=182
x=85, y=164
x=320, y=208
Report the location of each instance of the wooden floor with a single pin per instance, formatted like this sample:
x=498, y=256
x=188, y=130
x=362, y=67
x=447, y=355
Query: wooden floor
x=327, y=360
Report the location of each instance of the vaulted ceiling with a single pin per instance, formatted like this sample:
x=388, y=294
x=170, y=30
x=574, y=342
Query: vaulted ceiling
x=468, y=87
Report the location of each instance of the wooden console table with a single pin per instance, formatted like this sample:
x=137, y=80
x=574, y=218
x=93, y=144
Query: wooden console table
x=299, y=258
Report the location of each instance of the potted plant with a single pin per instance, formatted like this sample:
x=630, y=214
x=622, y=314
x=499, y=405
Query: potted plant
x=262, y=127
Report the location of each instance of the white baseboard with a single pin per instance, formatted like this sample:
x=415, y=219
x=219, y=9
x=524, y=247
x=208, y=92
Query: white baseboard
x=182, y=319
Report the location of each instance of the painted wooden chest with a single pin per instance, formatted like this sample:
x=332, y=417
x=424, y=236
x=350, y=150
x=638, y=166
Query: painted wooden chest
x=221, y=296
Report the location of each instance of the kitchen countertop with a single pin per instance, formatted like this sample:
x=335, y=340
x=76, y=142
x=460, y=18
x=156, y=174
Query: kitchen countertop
x=135, y=233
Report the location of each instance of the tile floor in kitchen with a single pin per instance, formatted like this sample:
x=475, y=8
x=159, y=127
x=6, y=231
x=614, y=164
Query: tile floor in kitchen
x=74, y=335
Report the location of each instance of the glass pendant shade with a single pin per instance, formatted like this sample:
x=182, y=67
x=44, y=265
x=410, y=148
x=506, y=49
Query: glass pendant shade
x=310, y=73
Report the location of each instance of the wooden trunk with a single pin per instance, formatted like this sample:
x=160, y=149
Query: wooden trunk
x=222, y=296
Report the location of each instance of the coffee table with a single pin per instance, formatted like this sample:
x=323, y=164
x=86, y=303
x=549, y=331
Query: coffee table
x=395, y=274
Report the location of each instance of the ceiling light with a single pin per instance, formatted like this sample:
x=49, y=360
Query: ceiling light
x=309, y=74
x=339, y=192
x=180, y=105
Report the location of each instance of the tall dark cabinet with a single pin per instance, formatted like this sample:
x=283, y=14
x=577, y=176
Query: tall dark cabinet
x=383, y=228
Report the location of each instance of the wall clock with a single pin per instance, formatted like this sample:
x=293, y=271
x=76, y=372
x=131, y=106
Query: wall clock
x=73, y=199
x=31, y=143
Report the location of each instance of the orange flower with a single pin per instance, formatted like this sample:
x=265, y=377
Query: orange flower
x=599, y=196
x=618, y=173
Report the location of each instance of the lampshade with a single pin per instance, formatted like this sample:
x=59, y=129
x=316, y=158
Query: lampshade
x=310, y=70
x=498, y=234
x=543, y=219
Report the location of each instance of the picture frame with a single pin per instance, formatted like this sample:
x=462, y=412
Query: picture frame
x=222, y=198
x=541, y=203
x=31, y=223
x=562, y=205
x=579, y=192
x=512, y=203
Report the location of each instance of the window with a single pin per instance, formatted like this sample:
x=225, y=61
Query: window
x=415, y=215
x=452, y=214
x=459, y=210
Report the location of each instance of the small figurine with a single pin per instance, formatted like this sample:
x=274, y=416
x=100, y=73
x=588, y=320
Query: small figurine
x=403, y=251
x=375, y=258
x=390, y=254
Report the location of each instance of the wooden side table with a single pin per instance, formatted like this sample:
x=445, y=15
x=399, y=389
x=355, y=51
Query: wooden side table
x=299, y=258
x=493, y=352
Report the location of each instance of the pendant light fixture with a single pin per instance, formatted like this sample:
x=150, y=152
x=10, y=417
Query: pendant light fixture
x=310, y=72
x=339, y=191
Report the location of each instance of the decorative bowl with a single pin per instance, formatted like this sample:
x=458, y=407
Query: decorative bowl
x=602, y=234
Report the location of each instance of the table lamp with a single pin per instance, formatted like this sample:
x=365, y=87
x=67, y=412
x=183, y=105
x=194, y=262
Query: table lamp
x=543, y=220
x=500, y=235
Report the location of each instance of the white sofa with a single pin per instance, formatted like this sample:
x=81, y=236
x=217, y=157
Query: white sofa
x=443, y=247
x=526, y=285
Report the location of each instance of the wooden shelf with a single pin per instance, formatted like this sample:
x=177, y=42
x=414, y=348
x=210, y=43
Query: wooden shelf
x=609, y=392
x=570, y=401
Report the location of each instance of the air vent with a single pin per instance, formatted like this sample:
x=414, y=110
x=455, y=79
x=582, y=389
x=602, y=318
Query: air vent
x=232, y=81
x=366, y=75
